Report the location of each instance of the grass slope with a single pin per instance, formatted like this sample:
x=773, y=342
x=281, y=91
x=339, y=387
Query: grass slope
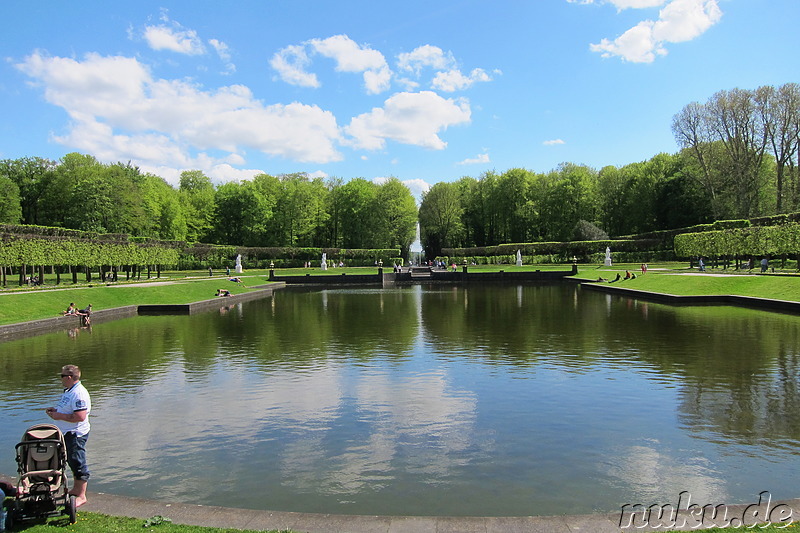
x=47, y=303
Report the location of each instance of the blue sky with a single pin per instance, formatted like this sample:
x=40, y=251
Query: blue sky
x=424, y=91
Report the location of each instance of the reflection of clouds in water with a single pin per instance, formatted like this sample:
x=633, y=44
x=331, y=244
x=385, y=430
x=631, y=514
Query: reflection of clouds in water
x=411, y=422
x=419, y=427
x=171, y=412
x=654, y=477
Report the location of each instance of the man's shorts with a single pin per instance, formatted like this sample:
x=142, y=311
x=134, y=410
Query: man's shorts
x=76, y=455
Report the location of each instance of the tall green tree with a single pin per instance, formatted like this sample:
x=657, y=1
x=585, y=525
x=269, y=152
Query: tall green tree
x=396, y=213
x=32, y=175
x=10, y=206
x=780, y=116
x=358, y=217
x=197, y=198
x=440, y=218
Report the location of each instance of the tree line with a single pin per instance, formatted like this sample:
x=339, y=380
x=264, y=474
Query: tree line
x=738, y=159
x=293, y=210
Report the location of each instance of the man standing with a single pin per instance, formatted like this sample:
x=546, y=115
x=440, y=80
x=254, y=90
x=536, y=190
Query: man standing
x=72, y=418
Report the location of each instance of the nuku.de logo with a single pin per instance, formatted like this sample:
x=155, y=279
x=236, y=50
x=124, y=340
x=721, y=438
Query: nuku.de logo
x=685, y=513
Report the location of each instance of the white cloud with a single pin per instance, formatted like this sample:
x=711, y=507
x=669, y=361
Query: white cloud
x=679, y=21
x=224, y=53
x=174, y=38
x=352, y=57
x=481, y=158
x=636, y=4
x=291, y=63
x=417, y=187
x=454, y=80
x=425, y=56
x=553, y=142
x=119, y=111
x=317, y=174
x=684, y=20
x=408, y=118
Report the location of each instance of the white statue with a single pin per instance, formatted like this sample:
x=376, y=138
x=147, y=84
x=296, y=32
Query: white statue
x=519, y=258
x=607, y=262
x=324, y=263
x=238, y=264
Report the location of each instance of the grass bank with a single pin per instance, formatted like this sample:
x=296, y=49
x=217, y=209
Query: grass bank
x=22, y=306
x=668, y=279
x=100, y=523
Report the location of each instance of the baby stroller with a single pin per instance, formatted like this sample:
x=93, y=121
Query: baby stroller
x=42, y=483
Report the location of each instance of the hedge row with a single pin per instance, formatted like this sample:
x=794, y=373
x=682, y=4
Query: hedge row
x=16, y=250
x=753, y=241
x=214, y=256
x=562, y=251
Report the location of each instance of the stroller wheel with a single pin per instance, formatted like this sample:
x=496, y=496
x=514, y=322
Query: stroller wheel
x=72, y=509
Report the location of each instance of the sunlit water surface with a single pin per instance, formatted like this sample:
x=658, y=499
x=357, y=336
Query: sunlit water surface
x=447, y=400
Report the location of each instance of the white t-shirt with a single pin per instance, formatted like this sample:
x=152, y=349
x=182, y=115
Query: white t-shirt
x=76, y=398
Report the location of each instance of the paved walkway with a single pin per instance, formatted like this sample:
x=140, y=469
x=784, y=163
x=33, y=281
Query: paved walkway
x=224, y=517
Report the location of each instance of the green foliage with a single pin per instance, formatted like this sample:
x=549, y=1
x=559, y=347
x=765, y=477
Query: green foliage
x=156, y=520
x=586, y=231
x=32, y=245
x=742, y=242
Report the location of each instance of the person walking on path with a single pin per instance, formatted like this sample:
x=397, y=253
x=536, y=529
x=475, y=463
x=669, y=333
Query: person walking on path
x=72, y=418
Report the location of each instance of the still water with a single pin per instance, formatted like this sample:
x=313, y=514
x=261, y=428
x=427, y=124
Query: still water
x=498, y=400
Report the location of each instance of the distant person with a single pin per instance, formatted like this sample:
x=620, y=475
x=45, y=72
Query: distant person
x=71, y=310
x=701, y=265
x=644, y=268
x=86, y=315
x=210, y=271
x=223, y=292
x=627, y=274
x=616, y=279
x=764, y=265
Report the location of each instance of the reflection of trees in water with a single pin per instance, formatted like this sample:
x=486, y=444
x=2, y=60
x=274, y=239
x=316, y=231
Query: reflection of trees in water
x=737, y=368
x=760, y=409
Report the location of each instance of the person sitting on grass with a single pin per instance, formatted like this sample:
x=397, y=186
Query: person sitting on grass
x=616, y=279
x=70, y=310
x=223, y=292
x=85, y=315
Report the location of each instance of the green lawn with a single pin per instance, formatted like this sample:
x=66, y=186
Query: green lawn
x=100, y=523
x=679, y=280
x=23, y=304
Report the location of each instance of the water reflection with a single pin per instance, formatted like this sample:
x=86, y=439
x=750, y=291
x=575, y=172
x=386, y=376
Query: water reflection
x=498, y=400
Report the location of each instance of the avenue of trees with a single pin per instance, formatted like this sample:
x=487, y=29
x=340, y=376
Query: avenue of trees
x=78, y=192
x=739, y=159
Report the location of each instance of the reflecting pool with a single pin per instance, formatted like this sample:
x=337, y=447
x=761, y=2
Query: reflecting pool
x=422, y=400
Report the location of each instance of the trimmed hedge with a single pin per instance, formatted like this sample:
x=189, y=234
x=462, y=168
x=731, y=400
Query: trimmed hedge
x=743, y=242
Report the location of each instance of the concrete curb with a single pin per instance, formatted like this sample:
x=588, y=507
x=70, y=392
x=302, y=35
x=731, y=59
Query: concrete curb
x=638, y=518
